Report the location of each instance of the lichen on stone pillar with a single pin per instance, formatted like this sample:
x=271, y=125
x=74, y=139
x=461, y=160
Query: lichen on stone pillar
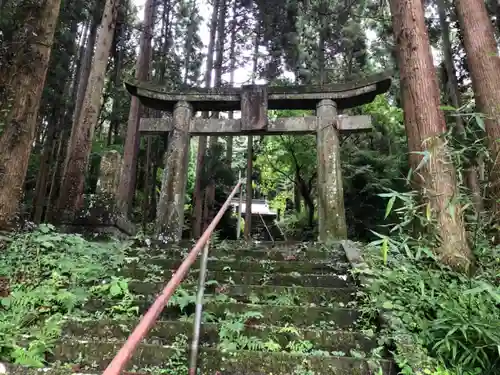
x=100, y=215
x=331, y=211
x=170, y=213
x=109, y=173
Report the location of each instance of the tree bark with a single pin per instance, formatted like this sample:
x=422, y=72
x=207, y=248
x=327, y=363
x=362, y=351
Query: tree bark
x=296, y=193
x=425, y=123
x=73, y=110
x=63, y=136
x=470, y=172
x=76, y=163
x=249, y=191
x=114, y=124
x=209, y=210
x=197, y=217
x=86, y=63
x=129, y=169
x=48, y=154
x=308, y=200
x=147, y=182
x=232, y=68
x=484, y=65
x=188, y=46
x=26, y=87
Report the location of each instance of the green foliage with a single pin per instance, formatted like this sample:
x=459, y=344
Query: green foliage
x=373, y=163
x=231, y=336
x=176, y=363
x=434, y=311
x=51, y=277
x=296, y=225
x=280, y=158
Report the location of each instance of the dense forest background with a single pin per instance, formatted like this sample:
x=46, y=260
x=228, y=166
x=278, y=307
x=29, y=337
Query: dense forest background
x=275, y=42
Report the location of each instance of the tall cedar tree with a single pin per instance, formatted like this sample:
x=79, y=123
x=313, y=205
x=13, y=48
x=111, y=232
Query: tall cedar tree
x=232, y=68
x=24, y=83
x=73, y=108
x=470, y=172
x=484, y=65
x=425, y=123
x=197, y=212
x=128, y=174
x=209, y=209
x=76, y=163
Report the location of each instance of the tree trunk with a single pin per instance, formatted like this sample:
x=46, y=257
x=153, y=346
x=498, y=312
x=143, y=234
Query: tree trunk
x=154, y=144
x=296, y=194
x=114, y=123
x=61, y=144
x=86, y=63
x=232, y=68
x=76, y=163
x=26, y=87
x=425, y=123
x=39, y=198
x=484, y=65
x=470, y=172
x=73, y=111
x=197, y=217
x=153, y=194
x=188, y=46
x=209, y=211
x=248, y=191
x=48, y=155
x=129, y=168
x=147, y=182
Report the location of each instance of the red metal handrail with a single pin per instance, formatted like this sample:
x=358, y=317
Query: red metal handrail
x=149, y=319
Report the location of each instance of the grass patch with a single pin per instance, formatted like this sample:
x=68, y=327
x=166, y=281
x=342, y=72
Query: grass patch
x=47, y=278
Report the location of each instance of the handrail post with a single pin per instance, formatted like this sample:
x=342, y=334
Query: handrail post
x=238, y=224
x=281, y=230
x=199, y=311
x=267, y=229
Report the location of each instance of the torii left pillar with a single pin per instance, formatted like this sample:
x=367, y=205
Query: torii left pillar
x=170, y=215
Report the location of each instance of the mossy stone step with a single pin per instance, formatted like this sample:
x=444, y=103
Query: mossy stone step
x=249, y=278
x=156, y=244
x=20, y=370
x=300, y=316
x=246, y=266
x=165, y=333
x=262, y=252
x=296, y=315
x=247, y=254
x=246, y=293
x=97, y=355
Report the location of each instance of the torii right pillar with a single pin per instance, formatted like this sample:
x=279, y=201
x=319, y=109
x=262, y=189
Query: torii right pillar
x=331, y=210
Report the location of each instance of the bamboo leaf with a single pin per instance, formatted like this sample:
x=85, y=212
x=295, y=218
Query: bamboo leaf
x=389, y=206
x=385, y=249
x=480, y=121
x=425, y=159
x=447, y=108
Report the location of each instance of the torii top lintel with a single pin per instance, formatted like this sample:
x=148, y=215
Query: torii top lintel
x=346, y=95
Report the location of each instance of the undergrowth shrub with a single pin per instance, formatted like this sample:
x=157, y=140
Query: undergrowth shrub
x=295, y=225
x=48, y=279
x=437, y=318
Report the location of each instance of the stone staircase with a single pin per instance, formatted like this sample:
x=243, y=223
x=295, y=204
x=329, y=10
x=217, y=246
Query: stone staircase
x=290, y=309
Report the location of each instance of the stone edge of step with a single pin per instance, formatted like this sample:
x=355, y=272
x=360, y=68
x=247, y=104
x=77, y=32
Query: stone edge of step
x=213, y=351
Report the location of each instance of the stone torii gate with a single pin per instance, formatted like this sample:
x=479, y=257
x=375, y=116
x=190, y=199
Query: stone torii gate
x=254, y=101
